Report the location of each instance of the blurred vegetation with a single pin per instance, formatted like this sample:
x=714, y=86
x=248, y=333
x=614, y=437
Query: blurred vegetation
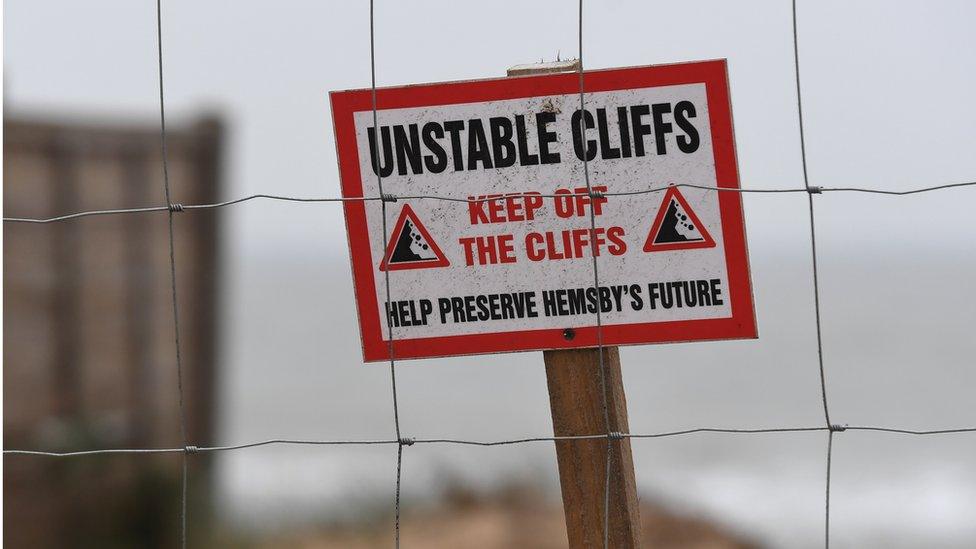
x=516, y=514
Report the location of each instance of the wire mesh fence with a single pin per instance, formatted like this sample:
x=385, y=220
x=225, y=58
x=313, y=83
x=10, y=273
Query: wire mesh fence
x=402, y=441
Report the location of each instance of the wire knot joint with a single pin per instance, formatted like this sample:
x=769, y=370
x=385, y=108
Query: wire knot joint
x=176, y=207
x=837, y=428
x=387, y=197
x=813, y=189
x=407, y=441
x=596, y=194
x=615, y=435
x=191, y=449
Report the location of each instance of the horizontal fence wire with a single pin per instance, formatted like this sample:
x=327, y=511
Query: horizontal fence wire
x=469, y=200
x=501, y=442
x=401, y=441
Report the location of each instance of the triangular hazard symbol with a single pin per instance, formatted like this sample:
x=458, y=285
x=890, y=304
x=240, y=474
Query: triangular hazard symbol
x=676, y=226
x=410, y=245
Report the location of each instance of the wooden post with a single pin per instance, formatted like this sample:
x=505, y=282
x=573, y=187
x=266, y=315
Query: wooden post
x=576, y=398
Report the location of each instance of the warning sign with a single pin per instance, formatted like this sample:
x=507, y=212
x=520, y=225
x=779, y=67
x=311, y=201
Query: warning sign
x=410, y=245
x=507, y=263
x=676, y=226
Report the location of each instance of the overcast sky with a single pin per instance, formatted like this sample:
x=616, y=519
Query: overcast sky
x=887, y=90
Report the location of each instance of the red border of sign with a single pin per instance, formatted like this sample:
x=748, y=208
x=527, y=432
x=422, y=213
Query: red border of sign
x=650, y=246
x=406, y=212
x=742, y=323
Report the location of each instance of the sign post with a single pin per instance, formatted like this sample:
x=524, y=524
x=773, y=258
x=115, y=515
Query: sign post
x=491, y=238
x=576, y=400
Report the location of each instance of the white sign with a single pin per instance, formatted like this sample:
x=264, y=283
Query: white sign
x=509, y=267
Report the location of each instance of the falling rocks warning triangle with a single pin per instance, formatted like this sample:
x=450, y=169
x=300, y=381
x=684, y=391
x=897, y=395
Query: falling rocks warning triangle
x=676, y=226
x=411, y=246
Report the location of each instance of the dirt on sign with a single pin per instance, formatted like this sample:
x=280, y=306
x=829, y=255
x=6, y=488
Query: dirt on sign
x=508, y=265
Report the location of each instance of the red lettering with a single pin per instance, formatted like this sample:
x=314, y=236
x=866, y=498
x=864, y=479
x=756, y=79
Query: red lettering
x=501, y=208
x=495, y=208
x=564, y=204
x=467, y=243
x=514, y=208
x=506, y=249
x=575, y=243
x=476, y=210
x=531, y=241
x=532, y=203
x=580, y=242
x=577, y=201
x=617, y=244
x=488, y=250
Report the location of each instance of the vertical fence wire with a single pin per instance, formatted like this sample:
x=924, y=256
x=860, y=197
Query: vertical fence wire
x=830, y=453
x=386, y=276
x=816, y=280
x=400, y=441
x=813, y=231
x=596, y=286
x=172, y=209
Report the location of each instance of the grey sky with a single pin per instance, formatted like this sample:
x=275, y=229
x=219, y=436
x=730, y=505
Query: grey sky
x=886, y=87
x=887, y=90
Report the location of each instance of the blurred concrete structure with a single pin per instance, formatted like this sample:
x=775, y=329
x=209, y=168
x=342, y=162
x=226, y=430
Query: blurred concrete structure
x=88, y=354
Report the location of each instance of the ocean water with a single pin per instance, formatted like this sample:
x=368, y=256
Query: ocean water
x=898, y=351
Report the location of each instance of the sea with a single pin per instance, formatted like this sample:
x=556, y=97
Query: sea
x=899, y=350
